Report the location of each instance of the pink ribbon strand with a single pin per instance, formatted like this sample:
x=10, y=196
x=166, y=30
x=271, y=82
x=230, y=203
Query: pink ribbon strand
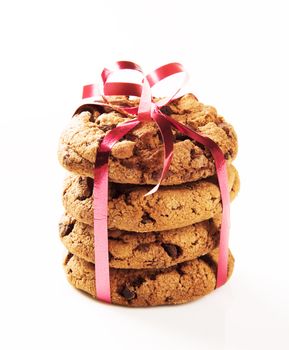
x=147, y=111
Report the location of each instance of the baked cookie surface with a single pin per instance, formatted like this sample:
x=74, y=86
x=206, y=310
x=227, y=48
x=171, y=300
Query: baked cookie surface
x=138, y=157
x=169, y=208
x=175, y=285
x=143, y=250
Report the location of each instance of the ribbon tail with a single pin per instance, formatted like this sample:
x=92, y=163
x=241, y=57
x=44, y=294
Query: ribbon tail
x=100, y=211
x=100, y=195
x=164, y=72
x=144, y=108
x=221, y=170
x=167, y=137
x=222, y=274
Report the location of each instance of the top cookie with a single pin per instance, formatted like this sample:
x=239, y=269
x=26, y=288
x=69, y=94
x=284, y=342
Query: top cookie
x=138, y=157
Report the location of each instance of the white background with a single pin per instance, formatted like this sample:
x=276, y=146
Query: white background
x=237, y=56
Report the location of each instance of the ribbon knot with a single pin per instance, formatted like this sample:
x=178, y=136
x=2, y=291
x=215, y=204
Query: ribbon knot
x=147, y=111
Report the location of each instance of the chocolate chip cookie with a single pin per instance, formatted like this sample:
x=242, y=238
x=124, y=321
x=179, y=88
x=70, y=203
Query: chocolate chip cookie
x=138, y=157
x=143, y=250
x=169, y=208
x=178, y=284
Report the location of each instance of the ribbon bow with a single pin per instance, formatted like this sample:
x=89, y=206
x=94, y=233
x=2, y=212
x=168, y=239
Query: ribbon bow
x=146, y=111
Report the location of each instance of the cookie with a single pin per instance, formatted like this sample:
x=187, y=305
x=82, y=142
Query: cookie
x=138, y=157
x=175, y=285
x=169, y=208
x=143, y=250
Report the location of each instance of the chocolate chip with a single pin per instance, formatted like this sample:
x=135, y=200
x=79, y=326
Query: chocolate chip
x=146, y=218
x=144, y=247
x=209, y=261
x=180, y=137
x=86, y=188
x=68, y=257
x=172, y=250
x=138, y=281
x=192, y=153
x=127, y=293
x=67, y=229
x=231, y=153
x=66, y=157
x=92, y=118
x=228, y=155
x=115, y=192
x=82, y=198
x=152, y=276
x=167, y=110
x=226, y=128
x=90, y=183
x=201, y=146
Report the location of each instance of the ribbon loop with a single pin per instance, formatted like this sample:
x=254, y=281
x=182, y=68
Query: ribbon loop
x=167, y=137
x=145, y=104
x=91, y=90
x=119, y=66
x=164, y=72
x=121, y=88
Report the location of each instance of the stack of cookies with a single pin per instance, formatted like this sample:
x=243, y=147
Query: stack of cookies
x=163, y=248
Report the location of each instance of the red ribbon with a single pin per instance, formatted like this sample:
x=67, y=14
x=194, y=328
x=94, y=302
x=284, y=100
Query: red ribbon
x=146, y=111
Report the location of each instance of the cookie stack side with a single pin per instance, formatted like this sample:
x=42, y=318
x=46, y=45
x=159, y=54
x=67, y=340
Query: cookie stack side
x=163, y=247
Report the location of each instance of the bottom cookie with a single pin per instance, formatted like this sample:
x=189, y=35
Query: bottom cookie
x=174, y=285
